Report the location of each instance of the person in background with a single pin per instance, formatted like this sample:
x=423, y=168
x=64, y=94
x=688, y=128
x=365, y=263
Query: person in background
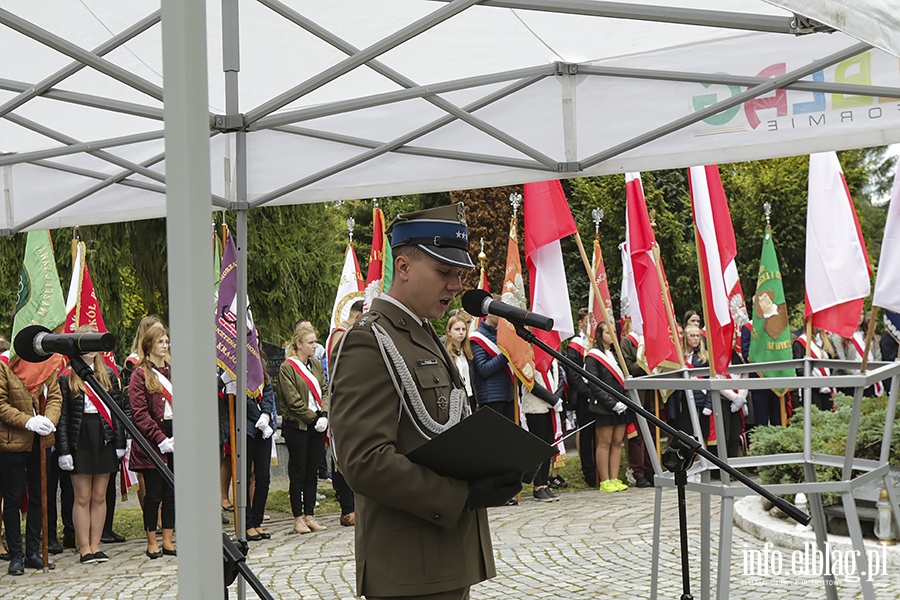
x=890, y=341
x=540, y=405
x=260, y=427
x=24, y=422
x=638, y=457
x=610, y=419
x=579, y=396
x=493, y=376
x=109, y=536
x=90, y=443
x=695, y=357
x=4, y=356
x=303, y=406
x=822, y=397
x=151, y=398
x=733, y=409
x=457, y=345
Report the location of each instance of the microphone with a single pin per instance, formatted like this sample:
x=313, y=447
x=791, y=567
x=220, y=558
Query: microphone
x=36, y=343
x=479, y=303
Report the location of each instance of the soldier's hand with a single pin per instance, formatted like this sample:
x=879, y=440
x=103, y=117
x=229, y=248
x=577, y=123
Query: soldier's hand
x=495, y=490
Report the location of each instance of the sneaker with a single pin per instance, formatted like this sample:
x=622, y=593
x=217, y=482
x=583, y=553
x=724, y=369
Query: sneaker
x=557, y=483
x=619, y=484
x=512, y=502
x=608, y=486
x=643, y=482
x=54, y=547
x=544, y=495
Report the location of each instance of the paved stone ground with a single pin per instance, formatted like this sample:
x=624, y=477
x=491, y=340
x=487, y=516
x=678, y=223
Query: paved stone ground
x=587, y=545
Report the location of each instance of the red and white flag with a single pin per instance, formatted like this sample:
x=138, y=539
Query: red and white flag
x=652, y=298
x=603, y=304
x=887, y=283
x=350, y=288
x=717, y=250
x=548, y=220
x=82, y=307
x=837, y=262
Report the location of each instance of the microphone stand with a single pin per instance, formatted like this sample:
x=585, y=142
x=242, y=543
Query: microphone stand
x=678, y=457
x=234, y=552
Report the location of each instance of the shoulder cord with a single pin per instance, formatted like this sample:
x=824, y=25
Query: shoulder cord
x=391, y=355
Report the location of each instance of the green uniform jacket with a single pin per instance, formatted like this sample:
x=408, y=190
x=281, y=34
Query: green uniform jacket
x=412, y=535
x=293, y=394
x=17, y=405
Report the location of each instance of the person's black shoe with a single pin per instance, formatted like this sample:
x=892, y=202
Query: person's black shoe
x=512, y=502
x=253, y=537
x=88, y=559
x=101, y=556
x=544, y=495
x=643, y=482
x=36, y=562
x=5, y=556
x=557, y=483
x=152, y=555
x=16, y=566
x=172, y=552
x=111, y=537
x=54, y=547
x=68, y=541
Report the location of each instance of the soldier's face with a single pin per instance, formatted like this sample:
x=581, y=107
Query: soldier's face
x=431, y=285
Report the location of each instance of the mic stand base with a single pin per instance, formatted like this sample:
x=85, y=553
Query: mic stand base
x=678, y=458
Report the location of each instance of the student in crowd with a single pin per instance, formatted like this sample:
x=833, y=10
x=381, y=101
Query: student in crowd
x=91, y=440
x=457, y=344
x=303, y=405
x=579, y=396
x=540, y=406
x=493, y=375
x=150, y=394
x=610, y=418
x=260, y=427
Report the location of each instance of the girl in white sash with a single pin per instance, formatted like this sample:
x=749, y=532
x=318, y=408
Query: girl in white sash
x=90, y=442
x=150, y=394
x=303, y=407
x=610, y=419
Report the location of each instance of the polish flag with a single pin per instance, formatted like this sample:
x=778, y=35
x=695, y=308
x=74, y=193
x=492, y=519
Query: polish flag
x=82, y=306
x=837, y=262
x=640, y=241
x=548, y=220
x=717, y=250
x=887, y=283
x=601, y=306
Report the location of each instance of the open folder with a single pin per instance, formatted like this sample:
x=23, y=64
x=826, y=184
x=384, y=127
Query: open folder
x=484, y=444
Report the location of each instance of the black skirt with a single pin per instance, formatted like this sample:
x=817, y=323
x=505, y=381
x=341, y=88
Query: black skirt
x=93, y=457
x=610, y=420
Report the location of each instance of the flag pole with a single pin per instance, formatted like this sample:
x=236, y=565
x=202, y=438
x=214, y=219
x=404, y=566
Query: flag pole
x=670, y=314
x=870, y=333
x=45, y=541
x=705, y=304
x=606, y=318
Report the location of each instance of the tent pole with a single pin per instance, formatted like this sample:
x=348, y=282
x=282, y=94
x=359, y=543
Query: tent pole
x=200, y=567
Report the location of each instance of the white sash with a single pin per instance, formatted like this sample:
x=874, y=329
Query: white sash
x=166, y=385
x=491, y=348
x=311, y=382
x=607, y=360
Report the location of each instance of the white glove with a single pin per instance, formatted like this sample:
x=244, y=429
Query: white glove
x=825, y=390
x=40, y=424
x=619, y=408
x=321, y=424
x=120, y=453
x=738, y=403
x=263, y=421
x=707, y=412
x=65, y=462
x=167, y=446
x=558, y=407
x=267, y=432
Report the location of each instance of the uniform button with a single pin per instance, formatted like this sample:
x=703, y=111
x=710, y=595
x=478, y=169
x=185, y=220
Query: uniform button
x=436, y=380
x=436, y=517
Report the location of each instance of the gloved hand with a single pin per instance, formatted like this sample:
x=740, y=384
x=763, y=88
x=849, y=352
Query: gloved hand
x=321, y=424
x=120, y=453
x=40, y=424
x=825, y=390
x=619, y=408
x=167, y=446
x=495, y=490
x=65, y=462
x=558, y=407
x=707, y=412
x=263, y=421
x=738, y=403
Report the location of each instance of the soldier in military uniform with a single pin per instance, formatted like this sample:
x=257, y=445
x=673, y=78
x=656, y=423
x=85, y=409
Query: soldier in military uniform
x=418, y=534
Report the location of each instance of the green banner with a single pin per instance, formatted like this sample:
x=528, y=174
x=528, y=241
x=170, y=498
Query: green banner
x=40, y=300
x=771, y=337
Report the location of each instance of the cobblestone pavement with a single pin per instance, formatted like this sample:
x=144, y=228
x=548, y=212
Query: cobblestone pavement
x=587, y=545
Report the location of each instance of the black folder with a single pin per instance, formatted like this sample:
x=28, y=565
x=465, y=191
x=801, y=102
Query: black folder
x=484, y=444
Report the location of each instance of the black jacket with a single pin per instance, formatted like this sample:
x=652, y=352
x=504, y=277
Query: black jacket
x=69, y=425
x=602, y=402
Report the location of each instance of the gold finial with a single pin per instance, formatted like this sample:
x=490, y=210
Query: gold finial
x=481, y=255
x=767, y=209
x=351, y=223
x=515, y=200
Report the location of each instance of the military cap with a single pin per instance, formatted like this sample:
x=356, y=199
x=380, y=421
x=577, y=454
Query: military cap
x=440, y=232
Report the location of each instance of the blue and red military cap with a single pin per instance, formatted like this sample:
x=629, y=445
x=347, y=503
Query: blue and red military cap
x=439, y=232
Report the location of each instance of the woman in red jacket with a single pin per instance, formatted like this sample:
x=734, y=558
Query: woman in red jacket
x=150, y=393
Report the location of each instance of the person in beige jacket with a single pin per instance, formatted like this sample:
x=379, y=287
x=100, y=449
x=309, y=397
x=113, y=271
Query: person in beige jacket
x=394, y=387
x=22, y=427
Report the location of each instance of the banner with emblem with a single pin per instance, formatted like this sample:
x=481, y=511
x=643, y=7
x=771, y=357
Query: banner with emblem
x=82, y=306
x=381, y=260
x=226, y=324
x=350, y=288
x=518, y=351
x=40, y=302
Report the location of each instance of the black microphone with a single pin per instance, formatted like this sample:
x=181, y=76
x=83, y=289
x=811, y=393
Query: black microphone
x=36, y=343
x=479, y=303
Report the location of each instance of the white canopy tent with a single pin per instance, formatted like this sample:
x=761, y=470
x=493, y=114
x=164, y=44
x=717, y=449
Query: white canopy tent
x=307, y=101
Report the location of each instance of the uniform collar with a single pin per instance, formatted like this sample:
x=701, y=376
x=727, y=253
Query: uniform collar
x=405, y=308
